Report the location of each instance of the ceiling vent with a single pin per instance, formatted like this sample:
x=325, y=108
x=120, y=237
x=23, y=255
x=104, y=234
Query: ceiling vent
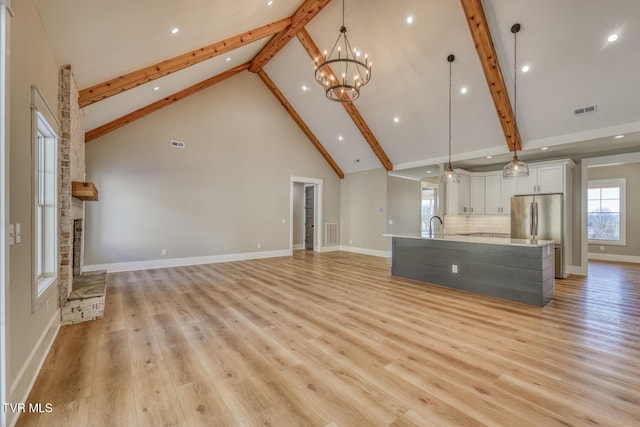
x=177, y=144
x=588, y=109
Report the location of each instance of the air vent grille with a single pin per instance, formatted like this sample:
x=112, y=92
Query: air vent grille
x=331, y=233
x=177, y=144
x=588, y=109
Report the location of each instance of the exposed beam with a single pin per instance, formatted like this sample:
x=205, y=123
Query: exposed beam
x=135, y=78
x=305, y=13
x=314, y=52
x=296, y=117
x=489, y=59
x=131, y=117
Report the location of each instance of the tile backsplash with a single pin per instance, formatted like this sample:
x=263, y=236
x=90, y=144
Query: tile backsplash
x=462, y=224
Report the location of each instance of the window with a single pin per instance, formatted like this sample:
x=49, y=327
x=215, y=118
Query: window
x=429, y=206
x=45, y=213
x=606, y=211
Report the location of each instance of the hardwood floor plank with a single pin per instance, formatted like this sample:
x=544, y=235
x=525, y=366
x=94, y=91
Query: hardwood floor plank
x=333, y=339
x=112, y=398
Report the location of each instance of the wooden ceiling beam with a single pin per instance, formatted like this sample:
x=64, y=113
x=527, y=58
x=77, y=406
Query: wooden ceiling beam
x=305, y=13
x=138, y=114
x=314, y=52
x=130, y=80
x=489, y=59
x=296, y=117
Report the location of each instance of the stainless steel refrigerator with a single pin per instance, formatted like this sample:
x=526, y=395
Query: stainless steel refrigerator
x=539, y=217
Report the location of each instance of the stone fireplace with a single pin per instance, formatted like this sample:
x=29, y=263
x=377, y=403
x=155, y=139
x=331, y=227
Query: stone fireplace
x=81, y=296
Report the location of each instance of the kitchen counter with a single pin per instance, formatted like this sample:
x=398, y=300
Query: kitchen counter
x=484, y=238
x=514, y=269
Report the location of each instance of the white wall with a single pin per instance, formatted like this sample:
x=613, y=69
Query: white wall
x=225, y=193
x=28, y=334
x=363, y=217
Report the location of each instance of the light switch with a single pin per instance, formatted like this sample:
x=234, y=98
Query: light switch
x=12, y=234
x=390, y=222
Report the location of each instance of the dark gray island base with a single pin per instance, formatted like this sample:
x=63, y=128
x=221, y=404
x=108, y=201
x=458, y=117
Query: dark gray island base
x=512, y=269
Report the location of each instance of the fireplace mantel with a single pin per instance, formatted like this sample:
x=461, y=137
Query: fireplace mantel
x=85, y=191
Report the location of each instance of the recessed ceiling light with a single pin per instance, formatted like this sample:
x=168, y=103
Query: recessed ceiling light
x=175, y=30
x=428, y=171
x=612, y=38
x=270, y=2
x=544, y=148
x=356, y=160
x=305, y=88
x=619, y=136
x=526, y=68
x=228, y=58
x=464, y=90
x=340, y=138
x=410, y=19
x=157, y=88
x=396, y=119
x=489, y=157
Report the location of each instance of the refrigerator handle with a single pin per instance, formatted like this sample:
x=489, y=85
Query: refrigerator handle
x=532, y=220
x=535, y=213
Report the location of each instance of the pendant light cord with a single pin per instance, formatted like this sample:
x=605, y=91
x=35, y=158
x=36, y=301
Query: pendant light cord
x=515, y=88
x=450, y=112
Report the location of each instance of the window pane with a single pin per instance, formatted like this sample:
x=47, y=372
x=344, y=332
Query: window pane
x=611, y=206
x=594, y=206
x=611, y=193
x=603, y=226
x=594, y=193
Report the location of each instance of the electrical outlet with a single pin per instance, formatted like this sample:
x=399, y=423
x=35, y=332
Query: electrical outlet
x=454, y=268
x=259, y=245
x=351, y=242
x=165, y=252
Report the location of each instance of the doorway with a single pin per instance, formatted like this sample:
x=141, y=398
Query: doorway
x=305, y=213
x=428, y=206
x=309, y=216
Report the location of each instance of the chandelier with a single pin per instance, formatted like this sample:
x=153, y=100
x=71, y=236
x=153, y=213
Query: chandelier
x=342, y=73
x=515, y=167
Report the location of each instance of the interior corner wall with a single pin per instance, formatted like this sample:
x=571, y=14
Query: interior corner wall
x=226, y=192
x=363, y=204
x=404, y=200
x=29, y=335
x=630, y=171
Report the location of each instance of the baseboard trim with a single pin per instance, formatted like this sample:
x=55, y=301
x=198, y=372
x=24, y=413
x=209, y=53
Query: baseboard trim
x=574, y=269
x=329, y=249
x=365, y=251
x=613, y=257
x=298, y=247
x=42, y=348
x=181, y=262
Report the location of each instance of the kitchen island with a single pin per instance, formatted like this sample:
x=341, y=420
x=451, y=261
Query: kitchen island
x=518, y=270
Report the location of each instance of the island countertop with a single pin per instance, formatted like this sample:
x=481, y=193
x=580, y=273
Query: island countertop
x=505, y=241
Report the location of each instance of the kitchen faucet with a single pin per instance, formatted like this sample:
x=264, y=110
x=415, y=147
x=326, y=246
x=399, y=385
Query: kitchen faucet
x=431, y=224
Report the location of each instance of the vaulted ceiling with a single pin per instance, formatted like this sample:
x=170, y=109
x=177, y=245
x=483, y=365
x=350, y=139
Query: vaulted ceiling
x=400, y=120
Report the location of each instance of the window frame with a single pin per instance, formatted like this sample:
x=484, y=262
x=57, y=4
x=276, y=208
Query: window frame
x=45, y=209
x=608, y=183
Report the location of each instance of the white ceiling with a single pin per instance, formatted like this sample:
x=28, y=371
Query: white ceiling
x=564, y=42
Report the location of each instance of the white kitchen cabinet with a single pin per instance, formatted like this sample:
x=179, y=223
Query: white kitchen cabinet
x=477, y=193
x=498, y=192
x=542, y=179
x=458, y=196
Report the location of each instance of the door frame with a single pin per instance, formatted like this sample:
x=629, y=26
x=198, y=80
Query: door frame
x=615, y=159
x=317, y=208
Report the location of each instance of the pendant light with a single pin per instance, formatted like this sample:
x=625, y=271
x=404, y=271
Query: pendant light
x=515, y=167
x=450, y=176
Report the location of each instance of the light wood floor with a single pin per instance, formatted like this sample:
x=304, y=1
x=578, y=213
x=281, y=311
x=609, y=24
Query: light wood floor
x=332, y=340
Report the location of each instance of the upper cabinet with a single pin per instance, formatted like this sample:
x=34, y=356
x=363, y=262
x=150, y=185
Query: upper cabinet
x=542, y=179
x=458, y=196
x=498, y=192
x=489, y=193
